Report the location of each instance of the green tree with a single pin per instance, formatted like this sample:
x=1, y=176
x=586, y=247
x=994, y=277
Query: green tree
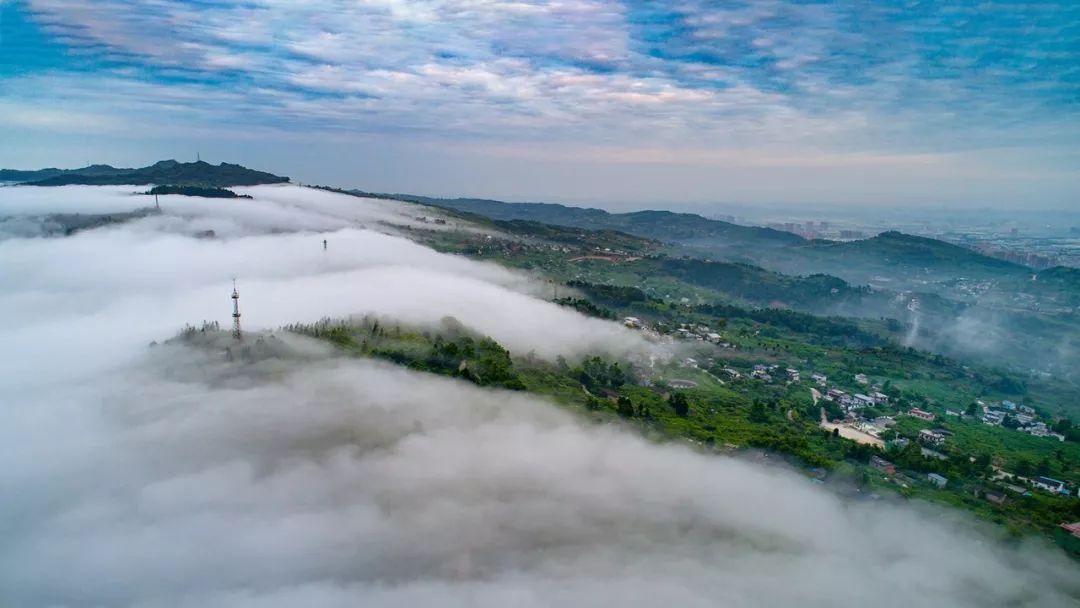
x=758, y=413
x=625, y=407
x=680, y=404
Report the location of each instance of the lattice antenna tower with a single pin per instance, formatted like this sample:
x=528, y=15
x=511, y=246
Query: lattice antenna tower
x=236, y=334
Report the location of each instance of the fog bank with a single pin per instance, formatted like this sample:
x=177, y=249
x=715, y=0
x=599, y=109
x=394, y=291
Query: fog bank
x=167, y=476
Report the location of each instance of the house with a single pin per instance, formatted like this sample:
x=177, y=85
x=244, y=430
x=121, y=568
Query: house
x=1024, y=419
x=993, y=417
x=714, y=337
x=1008, y=405
x=1027, y=409
x=862, y=379
x=793, y=374
x=937, y=480
x=733, y=373
x=934, y=437
x=1039, y=429
x=821, y=379
x=921, y=415
x=1050, y=485
x=633, y=322
x=834, y=394
x=879, y=398
x=1068, y=536
x=996, y=498
x=861, y=400
x=883, y=465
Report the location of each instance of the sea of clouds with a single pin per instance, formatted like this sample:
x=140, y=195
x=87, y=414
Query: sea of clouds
x=166, y=476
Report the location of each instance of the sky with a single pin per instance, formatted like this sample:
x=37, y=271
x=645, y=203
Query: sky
x=616, y=103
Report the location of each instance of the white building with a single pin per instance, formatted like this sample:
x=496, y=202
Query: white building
x=937, y=480
x=860, y=400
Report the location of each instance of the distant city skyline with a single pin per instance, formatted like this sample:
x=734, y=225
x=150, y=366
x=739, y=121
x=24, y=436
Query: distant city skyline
x=612, y=104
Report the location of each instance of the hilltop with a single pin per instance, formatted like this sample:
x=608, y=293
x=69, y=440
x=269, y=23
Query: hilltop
x=169, y=172
x=901, y=261
x=899, y=249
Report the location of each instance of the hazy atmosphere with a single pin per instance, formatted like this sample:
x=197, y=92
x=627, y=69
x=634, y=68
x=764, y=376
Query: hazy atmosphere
x=607, y=102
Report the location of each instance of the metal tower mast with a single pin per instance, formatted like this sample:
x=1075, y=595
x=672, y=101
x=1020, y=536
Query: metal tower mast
x=235, y=312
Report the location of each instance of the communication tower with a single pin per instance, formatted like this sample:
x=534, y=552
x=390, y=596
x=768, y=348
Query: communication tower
x=235, y=312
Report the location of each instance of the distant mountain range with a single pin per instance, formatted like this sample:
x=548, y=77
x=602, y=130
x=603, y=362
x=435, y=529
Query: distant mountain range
x=903, y=259
x=166, y=172
x=667, y=226
x=892, y=258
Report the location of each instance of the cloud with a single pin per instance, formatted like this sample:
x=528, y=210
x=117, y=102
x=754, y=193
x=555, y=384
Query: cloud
x=167, y=476
x=792, y=80
x=595, y=69
x=151, y=276
x=332, y=483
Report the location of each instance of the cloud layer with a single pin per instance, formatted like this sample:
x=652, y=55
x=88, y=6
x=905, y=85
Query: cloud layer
x=143, y=280
x=336, y=483
x=166, y=476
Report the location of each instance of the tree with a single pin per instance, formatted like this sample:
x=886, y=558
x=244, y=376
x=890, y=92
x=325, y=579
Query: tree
x=758, y=413
x=625, y=407
x=680, y=404
x=972, y=408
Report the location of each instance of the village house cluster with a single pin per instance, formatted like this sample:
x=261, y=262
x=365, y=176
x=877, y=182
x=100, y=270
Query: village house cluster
x=1022, y=418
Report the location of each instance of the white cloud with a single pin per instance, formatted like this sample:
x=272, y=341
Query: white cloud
x=335, y=483
x=139, y=477
x=148, y=278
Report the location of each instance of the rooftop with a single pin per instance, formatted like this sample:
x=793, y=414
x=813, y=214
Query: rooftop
x=1073, y=528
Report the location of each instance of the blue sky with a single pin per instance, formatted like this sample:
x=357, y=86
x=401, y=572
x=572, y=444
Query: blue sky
x=622, y=103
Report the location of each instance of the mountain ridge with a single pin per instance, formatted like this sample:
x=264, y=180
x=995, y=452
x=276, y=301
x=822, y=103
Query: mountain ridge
x=661, y=225
x=165, y=172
